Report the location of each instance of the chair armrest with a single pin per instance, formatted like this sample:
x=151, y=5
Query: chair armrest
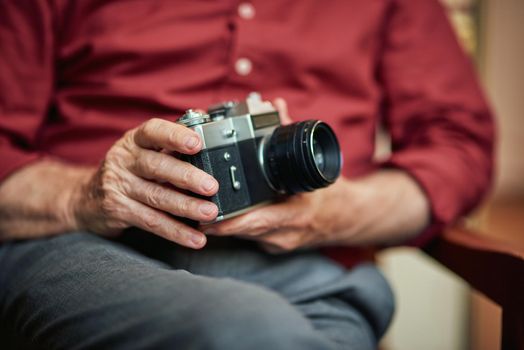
x=494, y=268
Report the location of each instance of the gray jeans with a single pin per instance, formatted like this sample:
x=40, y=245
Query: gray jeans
x=80, y=291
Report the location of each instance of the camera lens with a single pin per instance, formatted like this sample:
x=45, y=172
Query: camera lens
x=302, y=157
x=318, y=154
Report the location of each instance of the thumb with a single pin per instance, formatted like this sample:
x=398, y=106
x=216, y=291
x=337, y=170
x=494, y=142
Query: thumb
x=281, y=106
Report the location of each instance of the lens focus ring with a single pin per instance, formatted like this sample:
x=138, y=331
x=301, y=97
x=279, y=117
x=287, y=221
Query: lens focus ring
x=302, y=157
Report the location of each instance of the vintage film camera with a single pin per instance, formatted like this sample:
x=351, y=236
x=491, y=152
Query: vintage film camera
x=255, y=159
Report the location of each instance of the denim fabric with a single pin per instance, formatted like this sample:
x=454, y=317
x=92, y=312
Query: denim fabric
x=80, y=291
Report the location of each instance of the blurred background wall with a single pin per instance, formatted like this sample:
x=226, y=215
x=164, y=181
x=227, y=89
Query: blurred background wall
x=436, y=310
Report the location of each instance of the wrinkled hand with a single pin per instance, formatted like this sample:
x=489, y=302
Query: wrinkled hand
x=140, y=184
x=301, y=221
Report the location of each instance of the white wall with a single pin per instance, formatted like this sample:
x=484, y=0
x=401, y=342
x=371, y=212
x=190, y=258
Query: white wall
x=432, y=304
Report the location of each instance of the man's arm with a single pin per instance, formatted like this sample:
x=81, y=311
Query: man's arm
x=441, y=127
x=36, y=200
x=139, y=183
x=136, y=184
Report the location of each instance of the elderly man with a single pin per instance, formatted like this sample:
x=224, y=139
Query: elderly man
x=95, y=250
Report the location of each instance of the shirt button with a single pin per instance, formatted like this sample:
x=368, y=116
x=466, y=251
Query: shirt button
x=246, y=10
x=243, y=66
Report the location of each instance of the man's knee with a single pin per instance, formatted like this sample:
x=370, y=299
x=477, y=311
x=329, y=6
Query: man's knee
x=235, y=315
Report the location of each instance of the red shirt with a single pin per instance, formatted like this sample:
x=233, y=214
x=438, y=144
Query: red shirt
x=74, y=75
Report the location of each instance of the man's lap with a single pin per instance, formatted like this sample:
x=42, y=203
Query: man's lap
x=79, y=290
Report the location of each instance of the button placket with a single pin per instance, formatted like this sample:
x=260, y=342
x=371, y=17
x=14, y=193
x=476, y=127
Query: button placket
x=242, y=65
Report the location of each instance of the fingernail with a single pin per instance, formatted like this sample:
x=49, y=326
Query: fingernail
x=208, y=184
x=207, y=208
x=191, y=142
x=198, y=240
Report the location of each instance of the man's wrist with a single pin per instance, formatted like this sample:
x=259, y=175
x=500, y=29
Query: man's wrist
x=385, y=207
x=77, y=199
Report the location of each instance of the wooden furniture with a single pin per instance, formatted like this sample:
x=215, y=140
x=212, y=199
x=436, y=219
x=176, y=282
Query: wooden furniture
x=494, y=268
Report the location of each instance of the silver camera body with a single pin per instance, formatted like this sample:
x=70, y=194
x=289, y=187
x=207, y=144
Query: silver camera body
x=257, y=160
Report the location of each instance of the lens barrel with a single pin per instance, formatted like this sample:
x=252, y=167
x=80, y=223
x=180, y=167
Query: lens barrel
x=302, y=157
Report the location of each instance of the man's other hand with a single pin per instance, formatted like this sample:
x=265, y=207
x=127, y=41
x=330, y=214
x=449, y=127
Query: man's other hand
x=139, y=183
x=302, y=221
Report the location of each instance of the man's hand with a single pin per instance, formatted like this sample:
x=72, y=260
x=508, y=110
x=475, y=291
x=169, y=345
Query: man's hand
x=140, y=184
x=302, y=221
x=385, y=207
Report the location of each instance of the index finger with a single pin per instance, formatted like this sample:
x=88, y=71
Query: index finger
x=163, y=134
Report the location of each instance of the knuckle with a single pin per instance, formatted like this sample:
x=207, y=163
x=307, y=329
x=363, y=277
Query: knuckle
x=140, y=132
x=106, y=179
x=140, y=166
x=143, y=166
x=127, y=142
x=109, y=205
x=118, y=158
x=185, y=205
x=151, y=222
x=108, y=194
x=187, y=177
x=157, y=166
x=155, y=196
x=150, y=127
x=112, y=154
x=129, y=136
x=175, y=234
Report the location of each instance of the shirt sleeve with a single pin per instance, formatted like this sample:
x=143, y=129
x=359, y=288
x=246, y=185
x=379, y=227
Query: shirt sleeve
x=26, y=79
x=441, y=127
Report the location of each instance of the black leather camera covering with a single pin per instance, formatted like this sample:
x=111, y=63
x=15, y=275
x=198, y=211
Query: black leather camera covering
x=213, y=162
x=253, y=186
